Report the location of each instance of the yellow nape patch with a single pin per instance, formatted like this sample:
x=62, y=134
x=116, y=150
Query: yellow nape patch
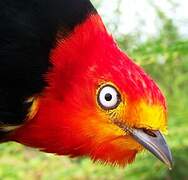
x=150, y=116
x=34, y=107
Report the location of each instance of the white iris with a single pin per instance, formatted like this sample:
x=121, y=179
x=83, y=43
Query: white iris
x=108, y=97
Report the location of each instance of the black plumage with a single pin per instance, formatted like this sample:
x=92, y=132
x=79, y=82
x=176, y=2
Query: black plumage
x=28, y=32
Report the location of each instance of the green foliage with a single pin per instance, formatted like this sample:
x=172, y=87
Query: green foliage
x=165, y=57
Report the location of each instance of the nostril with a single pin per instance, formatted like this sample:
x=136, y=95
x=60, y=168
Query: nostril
x=149, y=132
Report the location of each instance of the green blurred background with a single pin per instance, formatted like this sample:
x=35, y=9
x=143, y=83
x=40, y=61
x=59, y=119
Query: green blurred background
x=161, y=47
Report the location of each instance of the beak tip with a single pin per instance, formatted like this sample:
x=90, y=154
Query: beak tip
x=170, y=164
x=154, y=142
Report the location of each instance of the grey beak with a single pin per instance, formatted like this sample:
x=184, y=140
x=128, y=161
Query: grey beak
x=154, y=142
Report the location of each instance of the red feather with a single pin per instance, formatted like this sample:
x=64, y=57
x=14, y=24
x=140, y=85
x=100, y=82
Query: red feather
x=69, y=121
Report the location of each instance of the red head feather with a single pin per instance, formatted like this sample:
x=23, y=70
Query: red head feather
x=70, y=121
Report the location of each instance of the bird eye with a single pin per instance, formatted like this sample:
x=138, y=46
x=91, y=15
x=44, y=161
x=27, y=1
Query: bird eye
x=108, y=97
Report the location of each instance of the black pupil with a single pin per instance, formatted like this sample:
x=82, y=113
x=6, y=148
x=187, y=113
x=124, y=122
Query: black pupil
x=108, y=97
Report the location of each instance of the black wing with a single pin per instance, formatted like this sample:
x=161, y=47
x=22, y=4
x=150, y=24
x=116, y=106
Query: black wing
x=27, y=34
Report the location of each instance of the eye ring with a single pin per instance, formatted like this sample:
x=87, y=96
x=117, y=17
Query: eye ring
x=108, y=97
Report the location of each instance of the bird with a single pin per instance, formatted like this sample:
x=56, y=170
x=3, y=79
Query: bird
x=68, y=89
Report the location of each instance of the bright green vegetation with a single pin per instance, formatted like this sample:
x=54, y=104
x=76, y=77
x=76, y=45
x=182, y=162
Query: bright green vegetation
x=166, y=58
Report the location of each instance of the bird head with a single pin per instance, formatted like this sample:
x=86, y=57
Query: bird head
x=98, y=102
